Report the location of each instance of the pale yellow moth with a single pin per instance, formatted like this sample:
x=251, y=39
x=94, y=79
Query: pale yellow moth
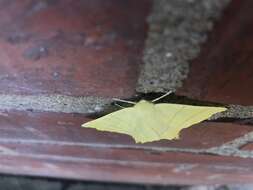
x=147, y=122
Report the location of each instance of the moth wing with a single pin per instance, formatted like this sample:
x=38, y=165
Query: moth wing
x=180, y=116
x=127, y=121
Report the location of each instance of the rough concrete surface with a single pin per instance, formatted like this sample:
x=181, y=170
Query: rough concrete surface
x=233, y=147
x=235, y=111
x=69, y=104
x=53, y=103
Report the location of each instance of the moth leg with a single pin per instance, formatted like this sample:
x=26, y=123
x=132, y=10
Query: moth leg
x=168, y=93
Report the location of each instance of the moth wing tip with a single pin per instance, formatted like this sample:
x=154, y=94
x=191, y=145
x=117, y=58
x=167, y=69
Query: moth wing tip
x=224, y=109
x=87, y=125
x=221, y=109
x=83, y=125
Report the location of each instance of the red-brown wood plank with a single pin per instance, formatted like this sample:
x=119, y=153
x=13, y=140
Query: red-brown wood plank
x=178, y=168
x=54, y=145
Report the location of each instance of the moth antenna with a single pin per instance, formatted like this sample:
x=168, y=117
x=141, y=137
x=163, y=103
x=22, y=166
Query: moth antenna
x=125, y=101
x=159, y=98
x=118, y=105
